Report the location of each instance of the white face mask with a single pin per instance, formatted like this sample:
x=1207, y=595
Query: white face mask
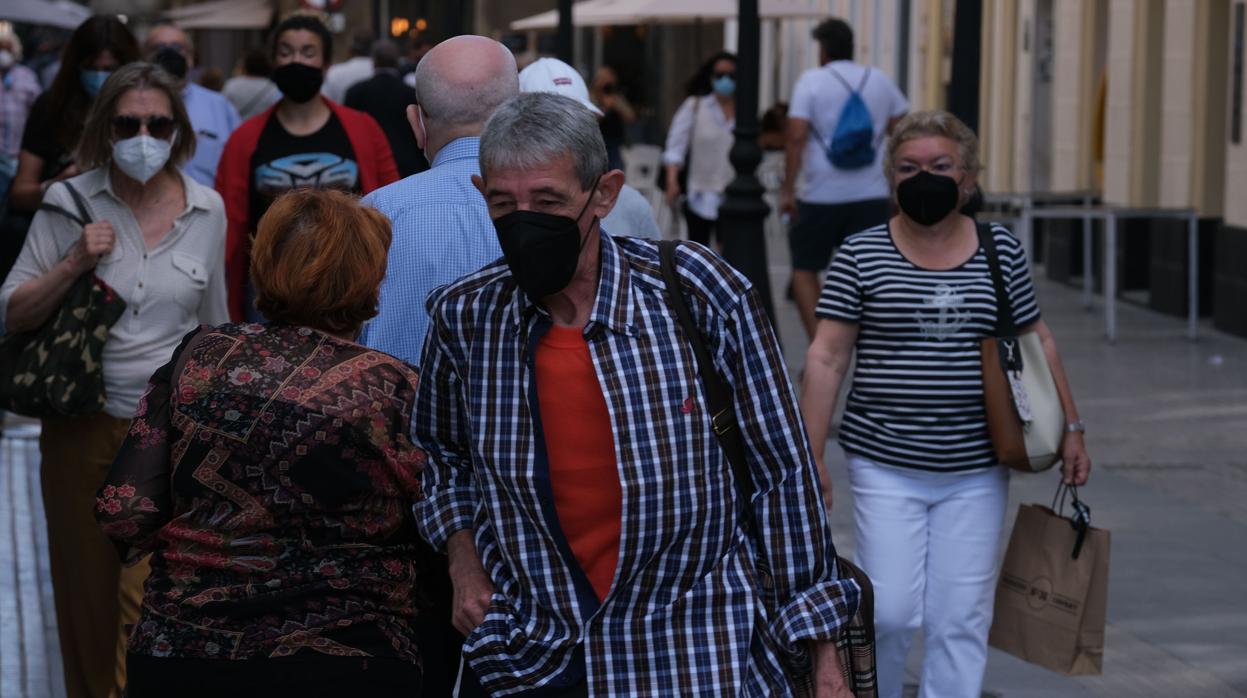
x=141, y=157
x=7, y=59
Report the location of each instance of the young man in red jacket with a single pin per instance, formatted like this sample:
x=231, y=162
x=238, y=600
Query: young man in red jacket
x=304, y=140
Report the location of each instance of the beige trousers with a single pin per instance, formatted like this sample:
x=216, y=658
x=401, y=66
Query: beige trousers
x=96, y=598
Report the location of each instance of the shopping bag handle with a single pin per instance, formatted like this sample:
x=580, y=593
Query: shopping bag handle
x=1080, y=518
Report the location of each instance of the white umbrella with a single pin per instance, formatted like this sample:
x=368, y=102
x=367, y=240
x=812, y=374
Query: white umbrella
x=50, y=13
x=594, y=13
x=223, y=14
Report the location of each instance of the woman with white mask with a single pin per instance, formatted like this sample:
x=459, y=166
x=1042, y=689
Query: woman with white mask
x=157, y=238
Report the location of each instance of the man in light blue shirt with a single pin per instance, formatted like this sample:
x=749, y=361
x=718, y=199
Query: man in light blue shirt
x=213, y=117
x=442, y=229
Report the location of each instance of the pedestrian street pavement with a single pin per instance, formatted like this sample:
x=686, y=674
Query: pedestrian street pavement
x=1167, y=431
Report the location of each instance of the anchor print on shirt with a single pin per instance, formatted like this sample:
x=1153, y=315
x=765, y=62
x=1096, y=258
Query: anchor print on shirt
x=945, y=316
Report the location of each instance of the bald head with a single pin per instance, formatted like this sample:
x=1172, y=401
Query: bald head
x=461, y=81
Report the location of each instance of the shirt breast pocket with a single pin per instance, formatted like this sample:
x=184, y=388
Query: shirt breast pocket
x=190, y=280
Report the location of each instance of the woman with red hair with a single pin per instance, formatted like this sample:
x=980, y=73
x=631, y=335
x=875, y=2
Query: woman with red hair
x=270, y=474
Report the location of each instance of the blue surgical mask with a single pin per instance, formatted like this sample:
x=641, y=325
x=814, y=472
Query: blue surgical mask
x=93, y=80
x=724, y=86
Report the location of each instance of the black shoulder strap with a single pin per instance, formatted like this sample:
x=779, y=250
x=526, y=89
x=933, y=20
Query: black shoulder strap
x=83, y=217
x=1004, y=304
x=718, y=396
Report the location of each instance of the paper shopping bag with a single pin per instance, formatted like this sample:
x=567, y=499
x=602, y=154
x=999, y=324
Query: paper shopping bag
x=1050, y=605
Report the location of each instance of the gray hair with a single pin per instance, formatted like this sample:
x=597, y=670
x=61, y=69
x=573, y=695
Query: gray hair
x=450, y=102
x=536, y=128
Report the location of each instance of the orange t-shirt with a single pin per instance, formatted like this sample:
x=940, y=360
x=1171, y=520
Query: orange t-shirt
x=580, y=446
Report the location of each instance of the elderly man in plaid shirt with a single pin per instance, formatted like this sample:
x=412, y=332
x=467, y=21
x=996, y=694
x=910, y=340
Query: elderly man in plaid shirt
x=574, y=475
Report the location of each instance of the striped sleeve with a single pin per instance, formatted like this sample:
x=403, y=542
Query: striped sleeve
x=1021, y=287
x=841, y=298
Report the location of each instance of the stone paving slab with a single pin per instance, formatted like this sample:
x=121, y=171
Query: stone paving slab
x=30, y=663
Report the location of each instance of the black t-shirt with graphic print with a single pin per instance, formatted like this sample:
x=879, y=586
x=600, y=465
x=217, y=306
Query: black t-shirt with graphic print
x=917, y=396
x=283, y=161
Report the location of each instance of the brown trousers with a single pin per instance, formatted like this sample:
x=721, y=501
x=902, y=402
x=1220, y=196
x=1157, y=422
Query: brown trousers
x=96, y=598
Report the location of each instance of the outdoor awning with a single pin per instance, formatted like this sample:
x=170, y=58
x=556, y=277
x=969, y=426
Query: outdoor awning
x=223, y=14
x=594, y=13
x=48, y=13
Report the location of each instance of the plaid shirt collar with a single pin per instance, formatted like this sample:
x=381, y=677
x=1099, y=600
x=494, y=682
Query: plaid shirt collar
x=613, y=306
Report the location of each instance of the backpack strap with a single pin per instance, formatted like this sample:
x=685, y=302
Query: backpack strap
x=840, y=77
x=865, y=77
x=718, y=395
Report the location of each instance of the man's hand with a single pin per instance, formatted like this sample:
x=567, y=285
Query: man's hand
x=828, y=681
x=473, y=590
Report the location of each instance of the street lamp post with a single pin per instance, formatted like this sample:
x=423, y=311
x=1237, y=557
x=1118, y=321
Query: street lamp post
x=743, y=213
x=565, y=32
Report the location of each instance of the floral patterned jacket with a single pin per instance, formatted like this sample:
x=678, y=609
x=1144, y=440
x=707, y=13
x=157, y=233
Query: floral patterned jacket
x=270, y=473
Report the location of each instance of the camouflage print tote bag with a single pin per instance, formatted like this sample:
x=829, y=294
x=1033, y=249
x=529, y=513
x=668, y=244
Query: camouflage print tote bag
x=55, y=371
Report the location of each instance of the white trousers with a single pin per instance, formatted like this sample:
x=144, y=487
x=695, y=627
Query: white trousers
x=929, y=542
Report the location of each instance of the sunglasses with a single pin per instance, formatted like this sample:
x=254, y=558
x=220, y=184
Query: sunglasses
x=729, y=74
x=161, y=127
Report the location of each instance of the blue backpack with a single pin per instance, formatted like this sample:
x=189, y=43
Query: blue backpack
x=852, y=145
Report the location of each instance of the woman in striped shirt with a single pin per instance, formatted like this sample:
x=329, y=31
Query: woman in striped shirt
x=913, y=298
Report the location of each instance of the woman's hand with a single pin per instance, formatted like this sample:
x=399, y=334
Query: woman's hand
x=824, y=478
x=672, y=191
x=788, y=203
x=98, y=239
x=1075, y=463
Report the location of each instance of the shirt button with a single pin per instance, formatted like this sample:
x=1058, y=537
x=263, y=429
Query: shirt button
x=140, y=284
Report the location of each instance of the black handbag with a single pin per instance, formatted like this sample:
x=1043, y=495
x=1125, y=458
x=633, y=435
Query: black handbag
x=856, y=645
x=56, y=370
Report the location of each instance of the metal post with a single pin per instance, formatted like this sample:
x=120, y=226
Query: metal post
x=1088, y=250
x=1028, y=227
x=1192, y=275
x=1110, y=276
x=743, y=214
x=565, y=47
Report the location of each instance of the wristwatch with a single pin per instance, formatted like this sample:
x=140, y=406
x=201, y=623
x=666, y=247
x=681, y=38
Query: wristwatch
x=1073, y=427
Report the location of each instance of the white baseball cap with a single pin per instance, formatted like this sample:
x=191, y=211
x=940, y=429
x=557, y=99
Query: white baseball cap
x=553, y=75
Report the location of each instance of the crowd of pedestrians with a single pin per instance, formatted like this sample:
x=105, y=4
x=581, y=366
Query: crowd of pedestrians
x=439, y=412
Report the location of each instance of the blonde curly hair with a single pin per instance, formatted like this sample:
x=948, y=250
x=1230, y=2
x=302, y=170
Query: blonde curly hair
x=936, y=122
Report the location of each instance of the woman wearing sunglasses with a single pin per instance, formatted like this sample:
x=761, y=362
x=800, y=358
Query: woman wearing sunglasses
x=698, y=142
x=158, y=239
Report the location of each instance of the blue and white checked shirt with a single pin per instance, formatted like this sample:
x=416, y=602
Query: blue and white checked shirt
x=684, y=615
x=442, y=231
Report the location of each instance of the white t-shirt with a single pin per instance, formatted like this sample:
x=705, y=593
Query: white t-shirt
x=819, y=98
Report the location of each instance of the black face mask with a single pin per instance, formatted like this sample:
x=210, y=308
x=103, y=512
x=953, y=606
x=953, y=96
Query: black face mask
x=299, y=82
x=542, y=249
x=172, y=60
x=928, y=198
